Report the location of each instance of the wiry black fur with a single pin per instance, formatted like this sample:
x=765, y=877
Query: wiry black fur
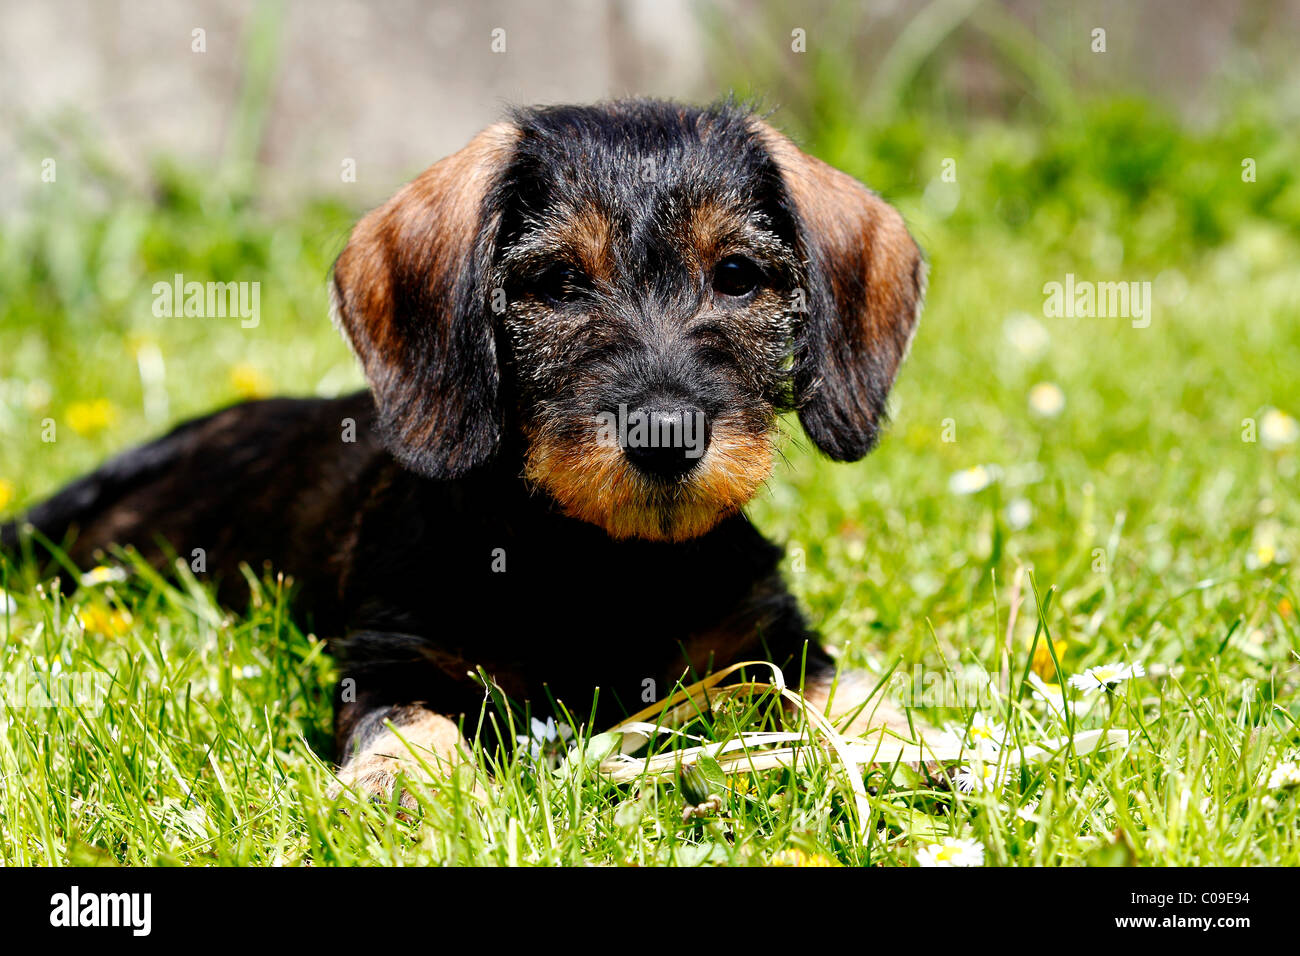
x=575, y=158
x=398, y=569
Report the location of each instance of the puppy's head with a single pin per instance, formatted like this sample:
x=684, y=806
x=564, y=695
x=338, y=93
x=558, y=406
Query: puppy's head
x=635, y=290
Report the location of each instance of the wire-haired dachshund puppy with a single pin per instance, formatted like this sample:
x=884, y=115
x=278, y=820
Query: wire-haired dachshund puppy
x=578, y=332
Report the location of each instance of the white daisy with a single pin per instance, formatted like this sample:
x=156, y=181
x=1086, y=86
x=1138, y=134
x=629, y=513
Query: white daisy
x=1026, y=335
x=980, y=776
x=983, y=735
x=1019, y=513
x=1046, y=400
x=951, y=852
x=971, y=480
x=1277, y=428
x=1106, y=676
x=1266, y=547
x=1050, y=694
x=102, y=575
x=1285, y=776
x=546, y=741
x=1028, y=814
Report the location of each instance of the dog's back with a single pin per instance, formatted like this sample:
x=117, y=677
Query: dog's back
x=256, y=483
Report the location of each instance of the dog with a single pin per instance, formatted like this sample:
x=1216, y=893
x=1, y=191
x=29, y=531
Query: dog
x=578, y=333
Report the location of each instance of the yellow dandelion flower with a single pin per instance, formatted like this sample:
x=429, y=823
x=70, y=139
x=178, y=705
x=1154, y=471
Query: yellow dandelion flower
x=740, y=783
x=86, y=418
x=1042, y=664
x=104, y=621
x=6, y=493
x=249, y=381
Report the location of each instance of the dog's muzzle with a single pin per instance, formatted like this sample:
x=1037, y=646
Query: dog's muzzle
x=665, y=439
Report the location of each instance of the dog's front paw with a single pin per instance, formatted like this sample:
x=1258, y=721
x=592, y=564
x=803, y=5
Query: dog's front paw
x=373, y=778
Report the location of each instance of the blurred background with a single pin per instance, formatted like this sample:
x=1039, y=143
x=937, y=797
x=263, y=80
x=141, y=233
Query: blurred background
x=1115, y=141
x=293, y=87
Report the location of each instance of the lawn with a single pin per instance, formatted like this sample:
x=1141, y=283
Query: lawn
x=1054, y=494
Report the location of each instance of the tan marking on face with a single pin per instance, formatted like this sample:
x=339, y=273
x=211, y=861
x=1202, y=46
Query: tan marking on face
x=711, y=228
x=588, y=234
x=594, y=482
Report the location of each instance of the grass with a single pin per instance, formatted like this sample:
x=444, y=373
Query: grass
x=991, y=533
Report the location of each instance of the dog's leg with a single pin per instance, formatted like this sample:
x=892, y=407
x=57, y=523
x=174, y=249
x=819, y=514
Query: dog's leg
x=851, y=692
x=386, y=742
x=772, y=619
x=384, y=723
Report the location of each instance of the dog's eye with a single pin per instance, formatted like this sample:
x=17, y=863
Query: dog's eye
x=560, y=284
x=736, y=276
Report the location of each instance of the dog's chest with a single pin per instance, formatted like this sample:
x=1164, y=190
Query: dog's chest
x=551, y=606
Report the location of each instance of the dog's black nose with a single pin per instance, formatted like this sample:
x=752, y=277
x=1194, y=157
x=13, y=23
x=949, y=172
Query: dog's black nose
x=665, y=441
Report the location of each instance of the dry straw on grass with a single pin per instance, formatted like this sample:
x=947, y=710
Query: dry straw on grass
x=816, y=741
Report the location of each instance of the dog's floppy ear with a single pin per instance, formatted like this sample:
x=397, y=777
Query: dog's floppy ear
x=410, y=291
x=867, y=280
